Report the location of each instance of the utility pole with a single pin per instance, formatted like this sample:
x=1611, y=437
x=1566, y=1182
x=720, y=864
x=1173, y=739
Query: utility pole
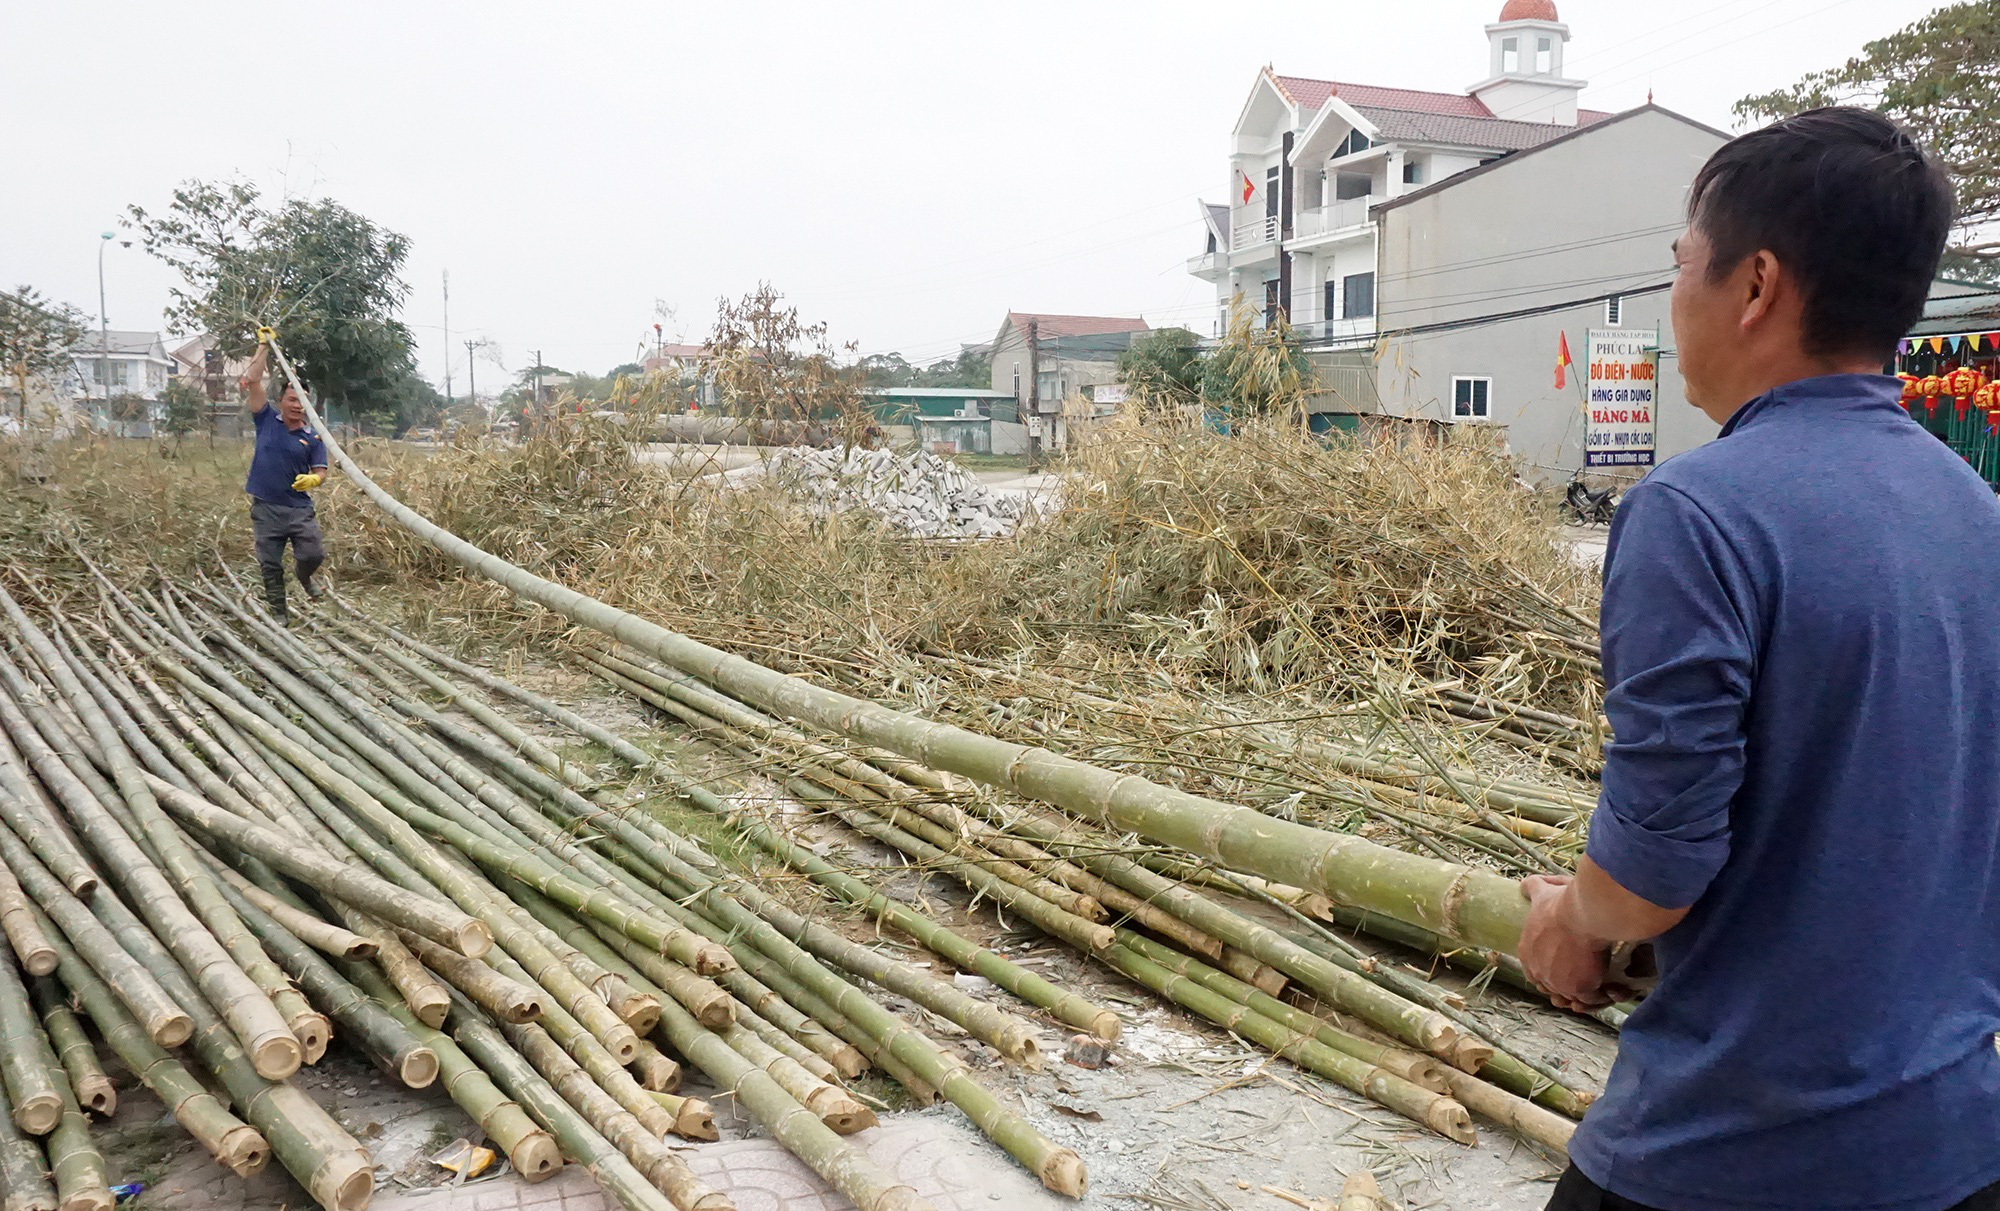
x=103, y=374
x=471, y=373
x=1034, y=398
x=447, y=338
x=535, y=393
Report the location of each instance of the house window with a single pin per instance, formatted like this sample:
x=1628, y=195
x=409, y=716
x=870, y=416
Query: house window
x=1271, y=194
x=1545, y=56
x=1471, y=398
x=1357, y=296
x=1354, y=142
x=1271, y=302
x=1614, y=311
x=1332, y=304
x=1413, y=172
x=1510, y=56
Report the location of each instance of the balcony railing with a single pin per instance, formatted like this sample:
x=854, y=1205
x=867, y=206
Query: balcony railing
x=1250, y=232
x=1342, y=215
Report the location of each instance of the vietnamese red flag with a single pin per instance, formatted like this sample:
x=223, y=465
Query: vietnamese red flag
x=1248, y=187
x=1563, y=361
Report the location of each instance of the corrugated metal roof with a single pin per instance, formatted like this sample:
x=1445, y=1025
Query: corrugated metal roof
x=1499, y=134
x=1075, y=325
x=1960, y=313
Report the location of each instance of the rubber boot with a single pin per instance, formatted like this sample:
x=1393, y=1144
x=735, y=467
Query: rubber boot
x=274, y=594
x=307, y=572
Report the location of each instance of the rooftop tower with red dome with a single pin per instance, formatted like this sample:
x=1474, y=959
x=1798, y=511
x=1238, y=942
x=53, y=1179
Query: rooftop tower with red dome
x=1525, y=80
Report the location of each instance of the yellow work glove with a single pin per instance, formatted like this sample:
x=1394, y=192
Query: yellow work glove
x=266, y=335
x=307, y=482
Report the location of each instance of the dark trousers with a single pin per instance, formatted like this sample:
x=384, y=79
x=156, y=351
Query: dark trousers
x=1575, y=1192
x=273, y=525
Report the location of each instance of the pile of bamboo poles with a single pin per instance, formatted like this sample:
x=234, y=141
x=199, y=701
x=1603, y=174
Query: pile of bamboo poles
x=1188, y=933
x=223, y=845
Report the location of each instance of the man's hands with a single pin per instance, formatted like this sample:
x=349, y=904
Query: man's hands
x=1559, y=957
x=1573, y=923
x=307, y=482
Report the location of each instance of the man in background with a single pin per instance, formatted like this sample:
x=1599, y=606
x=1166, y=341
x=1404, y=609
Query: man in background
x=289, y=461
x=1802, y=803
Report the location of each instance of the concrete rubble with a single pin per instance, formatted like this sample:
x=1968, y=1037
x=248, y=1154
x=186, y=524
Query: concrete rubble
x=919, y=492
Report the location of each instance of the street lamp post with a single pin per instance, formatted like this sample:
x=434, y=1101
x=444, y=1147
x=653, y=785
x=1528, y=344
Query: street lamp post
x=103, y=375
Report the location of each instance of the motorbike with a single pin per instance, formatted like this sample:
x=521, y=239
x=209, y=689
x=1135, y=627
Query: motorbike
x=1583, y=507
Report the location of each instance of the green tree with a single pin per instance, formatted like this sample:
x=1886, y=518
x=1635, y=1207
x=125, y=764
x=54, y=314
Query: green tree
x=1940, y=78
x=325, y=277
x=887, y=370
x=1255, y=370
x=1164, y=369
x=971, y=368
x=186, y=408
x=126, y=410
x=38, y=340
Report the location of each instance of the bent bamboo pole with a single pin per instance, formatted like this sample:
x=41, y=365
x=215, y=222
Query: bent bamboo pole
x=1477, y=906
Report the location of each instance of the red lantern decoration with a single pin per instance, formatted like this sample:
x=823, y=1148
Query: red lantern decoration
x=1931, y=387
x=1910, y=391
x=1964, y=381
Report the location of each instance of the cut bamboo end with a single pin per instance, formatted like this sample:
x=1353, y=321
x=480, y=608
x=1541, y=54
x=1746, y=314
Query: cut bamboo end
x=641, y=1012
x=346, y=1183
x=848, y=1061
x=1468, y=1054
x=1426, y=1073
x=623, y=1044
x=419, y=1068
x=1361, y=1192
x=712, y=960
x=243, y=1151
x=718, y=1013
x=1063, y=1172
x=276, y=1056
x=1018, y=1044
x=97, y=1094
x=1451, y=1120
x=361, y=948
x=472, y=939
x=94, y=1198
x=1268, y=980
x=314, y=1033
x=1107, y=1026
x=1098, y=937
x=170, y=1029
x=849, y=1122
x=82, y=885
x=536, y=1157
x=39, y=961
x=429, y=1006
x=38, y=1114
x=901, y=1198
x=696, y=1121
x=521, y=1009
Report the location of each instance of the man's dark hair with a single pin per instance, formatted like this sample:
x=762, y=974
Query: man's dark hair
x=1849, y=204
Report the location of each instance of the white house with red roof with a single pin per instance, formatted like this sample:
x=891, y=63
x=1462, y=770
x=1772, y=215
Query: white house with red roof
x=1309, y=158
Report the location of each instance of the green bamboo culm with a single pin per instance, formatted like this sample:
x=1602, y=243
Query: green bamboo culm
x=87, y=1078
x=1477, y=906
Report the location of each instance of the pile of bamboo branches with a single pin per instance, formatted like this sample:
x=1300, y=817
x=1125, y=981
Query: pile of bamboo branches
x=223, y=846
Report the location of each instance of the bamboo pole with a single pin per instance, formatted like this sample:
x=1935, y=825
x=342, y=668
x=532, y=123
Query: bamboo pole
x=76, y=1163
x=693, y=1119
x=34, y=1077
x=248, y=1010
x=1482, y=908
x=23, y=1174
x=87, y=1078
x=848, y=1170
x=234, y=1143
x=531, y=1150
x=483, y=986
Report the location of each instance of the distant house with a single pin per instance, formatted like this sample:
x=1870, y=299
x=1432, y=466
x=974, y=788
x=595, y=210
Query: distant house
x=199, y=362
x=1045, y=361
x=691, y=364
x=121, y=362
x=965, y=420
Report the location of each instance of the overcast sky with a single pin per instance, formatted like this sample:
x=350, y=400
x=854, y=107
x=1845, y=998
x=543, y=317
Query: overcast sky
x=906, y=171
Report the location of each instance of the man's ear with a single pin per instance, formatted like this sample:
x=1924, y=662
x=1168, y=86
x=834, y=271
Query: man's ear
x=1762, y=275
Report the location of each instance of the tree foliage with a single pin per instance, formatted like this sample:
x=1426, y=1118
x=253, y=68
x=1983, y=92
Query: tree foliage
x=186, y=407
x=972, y=368
x=1254, y=370
x=1163, y=369
x=325, y=277
x=1940, y=78
x=772, y=366
x=38, y=339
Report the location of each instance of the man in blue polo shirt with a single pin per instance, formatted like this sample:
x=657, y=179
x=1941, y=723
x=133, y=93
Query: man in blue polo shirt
x=1801, y=628
x=289, y=461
